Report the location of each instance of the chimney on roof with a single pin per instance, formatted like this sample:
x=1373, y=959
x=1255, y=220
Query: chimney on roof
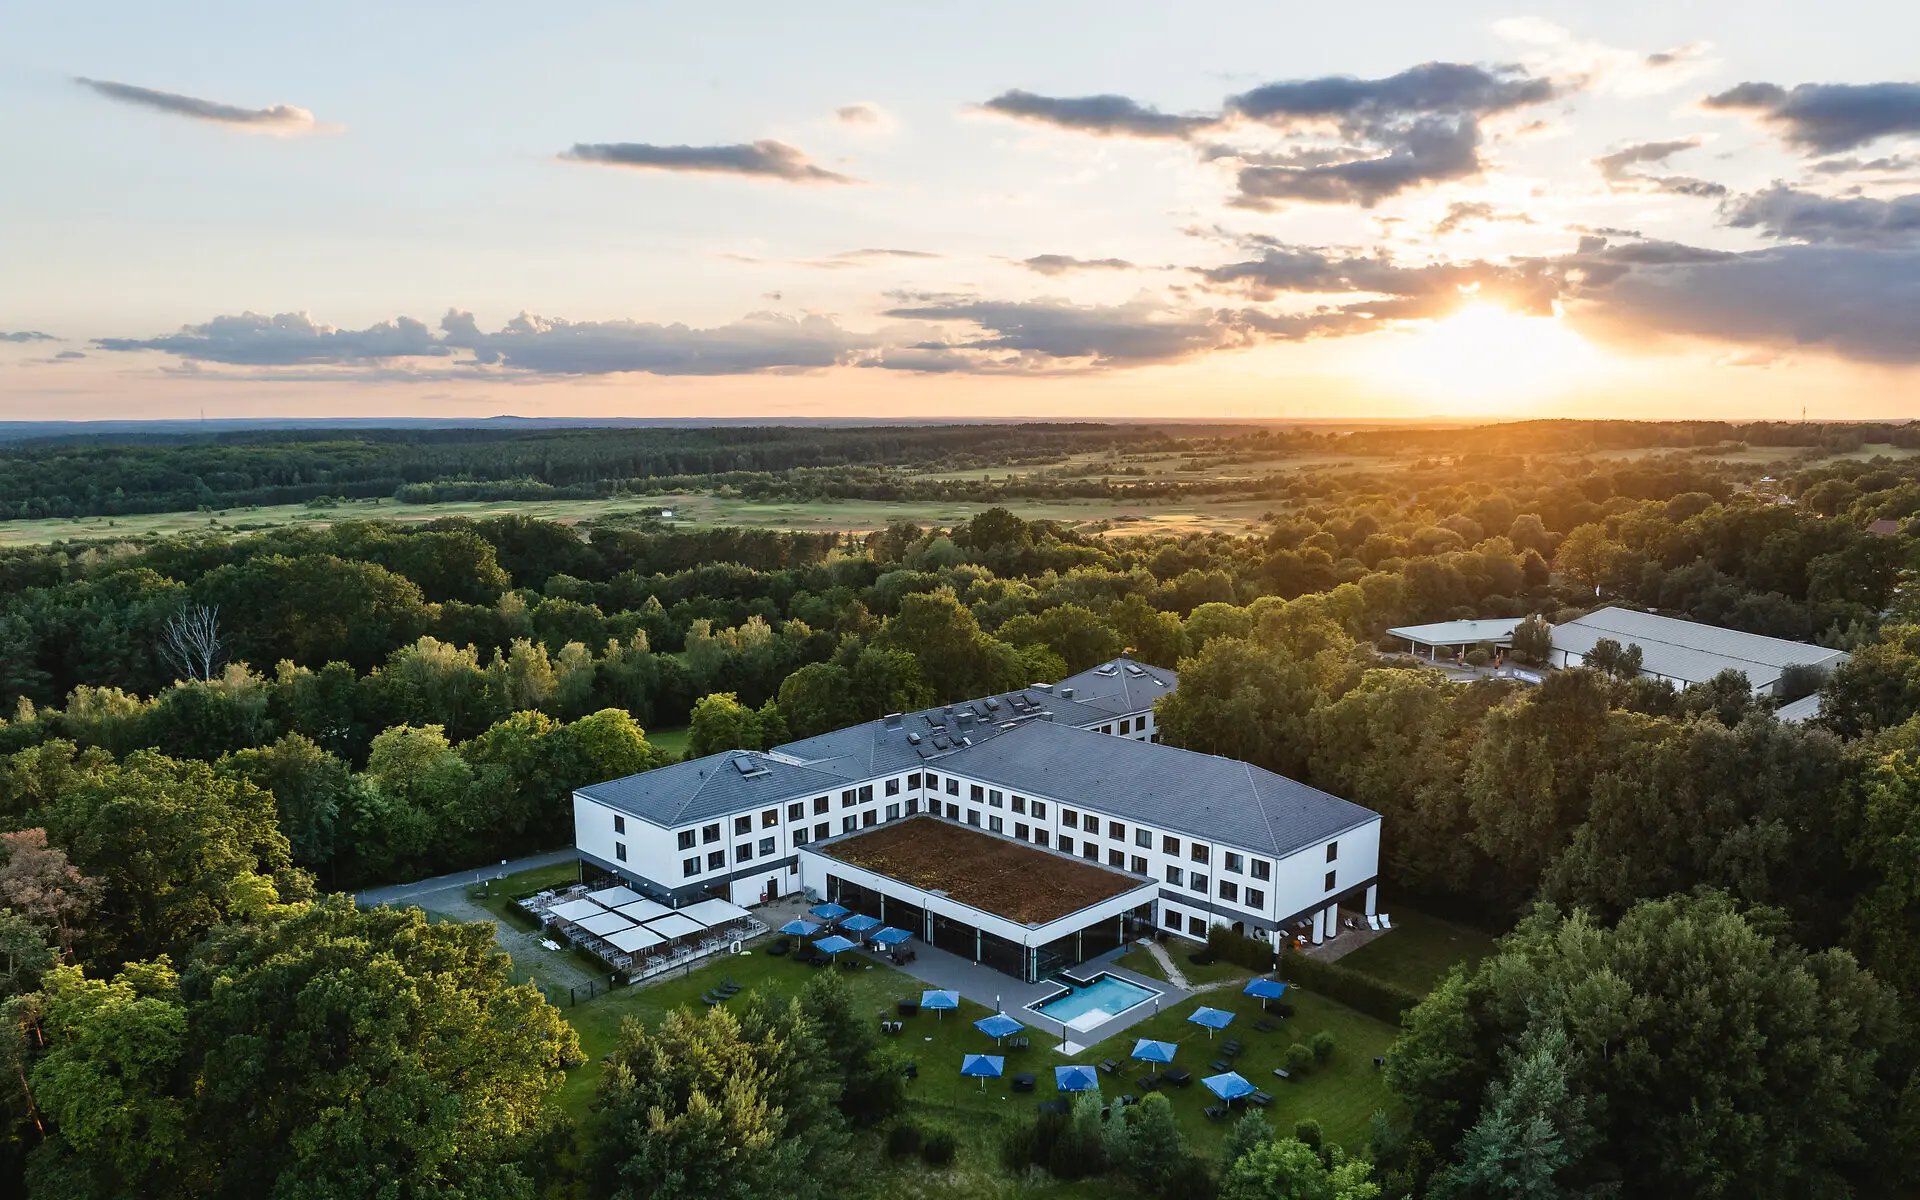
x=1066, y=693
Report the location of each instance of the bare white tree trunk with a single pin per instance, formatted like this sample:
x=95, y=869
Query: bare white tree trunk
x=190, y=642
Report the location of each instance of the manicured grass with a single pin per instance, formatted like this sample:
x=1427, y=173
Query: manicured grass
x=1417, y=951
x=1342, y=1095
x=1138, y=959
x=673, y=741
x=1140, y=962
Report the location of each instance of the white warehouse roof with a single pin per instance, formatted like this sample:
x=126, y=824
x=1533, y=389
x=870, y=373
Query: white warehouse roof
x=1688, y=651
x=1460, y=633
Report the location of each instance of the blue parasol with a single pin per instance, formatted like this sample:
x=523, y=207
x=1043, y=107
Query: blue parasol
x=1076, y=1079
x=833, y=945
x=860, y=924
x=998, y=1025
x=1148, y=1050
x=1230, y=1086
x=800, y=928
x=1212, y=1018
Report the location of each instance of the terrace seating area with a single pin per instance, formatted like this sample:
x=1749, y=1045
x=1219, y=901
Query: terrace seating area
x=635, y=936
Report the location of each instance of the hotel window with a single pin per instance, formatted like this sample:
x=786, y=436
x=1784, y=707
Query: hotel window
x=995, y=799
x=822, y=831
x=1138, y=866
x=893, y=812
x=1262, y=869
x=710, y=833
x=1090, y=823
x=1116, y=831
x=913, y=804
x=1039, y=811
x=1019, y=804
x=994, y=825
x=1106, y=729
x=1172, y=918
x=973, y=817
x=1069, y=816
x=1198, y=883
x=1126, y=727
x=1176, y=876
x=620, y=851
x=800, y=836
x=1196, y=927
x=766, y=847
x=716, y=859
x=686, y=839
x=770, y=818
x=933, y=781
x=820, y=805
x=1021, y=832
x=743, y=853
x=742, y=825
x=1117, y=859
x=1333, y=851
x=1199, y=854
x=1169, y=844
x=847, y=798
x=849, y=823
x=866, y=792
x=953, y=786
x=953, y=812
x=1256, y=898
x=1066, y=844
x=1142, y=838
x=1229, y=891
x=619, y=823
x=913, y=781
x=1330, y=875
x=1090, y=851
x=1039, y=837
x=976, y=793
x=690, y=866
x=797, y=811
x=869, y=817
x=1235, y=864
x=893, y=787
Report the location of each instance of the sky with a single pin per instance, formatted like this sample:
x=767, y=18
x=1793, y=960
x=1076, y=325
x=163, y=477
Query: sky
x=1115, y=210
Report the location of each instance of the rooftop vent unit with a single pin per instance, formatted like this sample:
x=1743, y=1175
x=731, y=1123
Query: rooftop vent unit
x=893, y=720
x=966, y=718
x=913, y=738
x=940, y=741
x=993, y=703
x=1135, y=670
x=1066, y=693
x=748, y=767
x=1041, y=687
x=1109, y=669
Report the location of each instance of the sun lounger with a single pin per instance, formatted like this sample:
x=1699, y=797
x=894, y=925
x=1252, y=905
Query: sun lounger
x=1109, y=1066
x=1023, y=1082
x=1149, y=1083
x=1373, y=922
x=1282, y=1073
x=1220, y=1066
x=1266, y=1026
x=1231, y=1046
x=1178, y=1077
x=1386, y=922
x=1260, y=1098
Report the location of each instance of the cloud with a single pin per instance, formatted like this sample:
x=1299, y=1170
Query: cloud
x=1463, y=213
x=1105, y=116
x=70, y=354
x=252, y=339
x=1850, y=166
x=844, y=260
x=861, y=114
x=1061, y=264
x=1418, y=127
x=1827, y=118
x=765, y=159
x=757, y=343
x=28, y=335
x=278, y=119
x=1786, y=213
x=1416, y=291
x=1052, y=335
x=1617, y=169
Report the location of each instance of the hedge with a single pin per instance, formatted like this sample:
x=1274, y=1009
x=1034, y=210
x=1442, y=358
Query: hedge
x=1239, y=949
x=1363, y=993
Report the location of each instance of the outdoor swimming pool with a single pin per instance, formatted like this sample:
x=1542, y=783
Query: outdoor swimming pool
x=1095, y=1002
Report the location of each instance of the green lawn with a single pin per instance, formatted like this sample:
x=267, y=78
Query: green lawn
x=1138, y=959
x=1418, y=950
x=1342, y=1095
x=673, y=740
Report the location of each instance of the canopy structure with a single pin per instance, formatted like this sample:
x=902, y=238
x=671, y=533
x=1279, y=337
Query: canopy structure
x=890, y=937
x=713, y=913
x=1212, y=1018
x=675, y=925
x=799, y=928
x=614, y=897
x=1230, y=1086
x=604, y=924
x=637, y=938
x=828, y=912
x=982, y=1067
x=998, y=1025
x=643, y=910
x=1265, y=989
x=860, y=924
x=1148, y=1050
x=939, y=1000
x=833, y=945
x=1076, y=1079
x=574, y=910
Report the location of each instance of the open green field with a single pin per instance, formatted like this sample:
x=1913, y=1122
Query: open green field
x=1418, y=951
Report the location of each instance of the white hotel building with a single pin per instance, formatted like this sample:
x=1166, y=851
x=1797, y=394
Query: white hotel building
x=1068, y=770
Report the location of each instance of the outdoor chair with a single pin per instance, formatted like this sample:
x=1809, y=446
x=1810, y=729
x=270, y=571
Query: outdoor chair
x=1379, y=1061
x=1110, y=1066
x=1220, y=1066
x=1373, y=922
x=1231, y=1047
x=1386, y=922
x=1018, y=1043
x=1215, y=1112
x=1149, y=1083
x=1282, y=1073
x=1260, y=1098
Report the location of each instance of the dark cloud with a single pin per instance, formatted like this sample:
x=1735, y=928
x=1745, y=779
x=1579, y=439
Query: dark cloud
x=1617, y=169
x=280, y=118
x=1463, y=213
x=28, y=335
x=255, y=340
x=860, y=114
x=1107, y=116
x=1419, y=127
x=1865, y=166
x=1827, y=118
x=1053, y=335
x=70, y=354
x=1404, y=291
x=1061, y=264
x=759, y=342
x=1792, y=215
x=765, y=159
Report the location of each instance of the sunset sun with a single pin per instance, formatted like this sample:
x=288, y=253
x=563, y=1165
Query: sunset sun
x=1485, y=358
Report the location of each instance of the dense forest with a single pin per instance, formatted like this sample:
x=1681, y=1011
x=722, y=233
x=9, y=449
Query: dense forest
x=1706, y=985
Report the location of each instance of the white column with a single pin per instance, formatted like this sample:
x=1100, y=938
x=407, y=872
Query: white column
x=1319, y=926
x=1373, y=898
x=1333, y=920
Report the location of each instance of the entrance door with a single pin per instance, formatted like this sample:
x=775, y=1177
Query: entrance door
x=773, y=887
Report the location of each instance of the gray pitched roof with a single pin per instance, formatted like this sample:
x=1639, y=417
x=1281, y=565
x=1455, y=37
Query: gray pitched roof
x=1119, y=686
x=1687, y=650
x=1164, y=787
x=714, y=786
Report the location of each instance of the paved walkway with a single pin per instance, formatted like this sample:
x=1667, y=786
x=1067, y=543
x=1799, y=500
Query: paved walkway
x=410, y=893
x=1348, y=941
x=1174, y=973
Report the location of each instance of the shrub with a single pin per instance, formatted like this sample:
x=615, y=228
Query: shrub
x=937, y=1148
x=1309, y=1134
x=1322, y=1044
x=1299, y=1058
x=1477, y=657
x=903, y=1140
x=1238, y=948
x=1363, y=993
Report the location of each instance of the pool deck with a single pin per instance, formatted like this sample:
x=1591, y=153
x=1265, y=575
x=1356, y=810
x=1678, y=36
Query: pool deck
x=940, y=969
